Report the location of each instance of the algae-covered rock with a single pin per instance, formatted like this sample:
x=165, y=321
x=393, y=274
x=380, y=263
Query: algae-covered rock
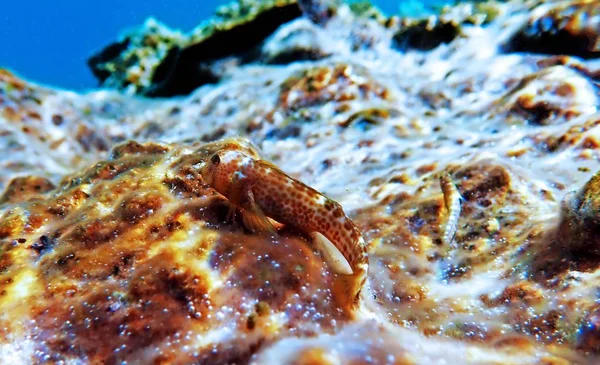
x=569, y=27
x=156, y=61
x=553, y=95
x=366, y=9
x=432, y=31
x=299, y=41
x=187, y=271
x=589, y=336
x=576, y=243
x=130, y=63
x=426, y=34
x=237, y=30
x=114, y=249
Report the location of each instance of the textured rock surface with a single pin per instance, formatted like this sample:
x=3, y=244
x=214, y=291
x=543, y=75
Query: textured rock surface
x=116, y=251
x=569, y=27
x=156, y=61
x=434, y=30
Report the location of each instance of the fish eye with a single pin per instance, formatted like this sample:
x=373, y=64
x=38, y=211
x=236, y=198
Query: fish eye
x=215, y=159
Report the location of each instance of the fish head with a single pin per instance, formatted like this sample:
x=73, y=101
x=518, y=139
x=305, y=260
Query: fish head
x=210, y=168
x=224, y=170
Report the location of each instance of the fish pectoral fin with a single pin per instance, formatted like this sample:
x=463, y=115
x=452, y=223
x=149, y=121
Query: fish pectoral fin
x=332, y=254
x=253, y=217
x=231, y=211
x=257, y=222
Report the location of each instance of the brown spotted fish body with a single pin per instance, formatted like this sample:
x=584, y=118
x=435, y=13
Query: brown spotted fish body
x=263, y=191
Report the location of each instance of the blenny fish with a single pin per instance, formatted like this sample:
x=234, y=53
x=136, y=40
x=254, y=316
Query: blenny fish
x=266, y=195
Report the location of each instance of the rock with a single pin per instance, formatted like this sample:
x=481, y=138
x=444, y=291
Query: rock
x=575, y=244
x=113, y=249
x=149, y=193
x=589, y=336
x=318, y=11
x=296, y=42
x=238, y=33
x=569, y=28
x=553, y=95
x=430, y=32
x=26, y=188
x=35, y=139
x=156, y=61
x=584, y=206
x=130, y=63
x=426, y=34
x=366, y=9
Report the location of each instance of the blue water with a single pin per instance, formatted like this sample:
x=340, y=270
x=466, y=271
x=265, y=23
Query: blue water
x=49, y=41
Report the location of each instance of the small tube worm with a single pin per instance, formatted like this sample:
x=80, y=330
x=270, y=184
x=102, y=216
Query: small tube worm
x=452, y=201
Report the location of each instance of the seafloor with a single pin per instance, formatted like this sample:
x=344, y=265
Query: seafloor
x=113, y=250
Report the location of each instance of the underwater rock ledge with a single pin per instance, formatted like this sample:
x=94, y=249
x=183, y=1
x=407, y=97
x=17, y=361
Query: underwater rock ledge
x=113, y=248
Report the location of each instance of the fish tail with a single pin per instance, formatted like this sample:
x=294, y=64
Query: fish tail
x=348, y=288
